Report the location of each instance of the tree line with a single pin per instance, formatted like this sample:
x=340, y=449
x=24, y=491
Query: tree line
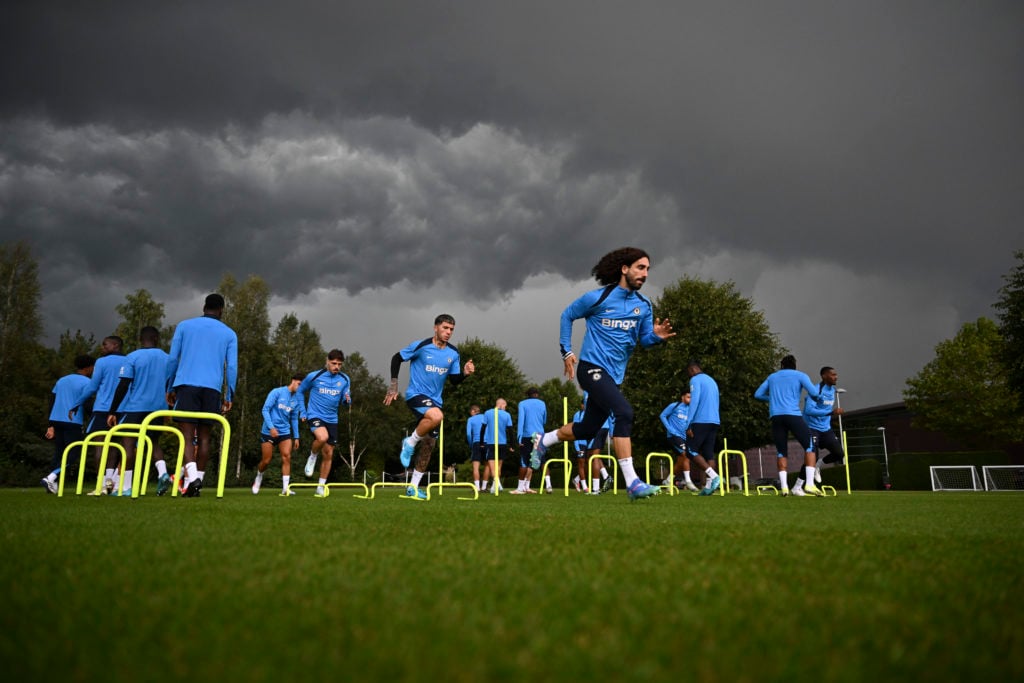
x=733, y=342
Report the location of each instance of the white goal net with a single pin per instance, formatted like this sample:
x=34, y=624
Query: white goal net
x=954, y=478
x=1003, y=477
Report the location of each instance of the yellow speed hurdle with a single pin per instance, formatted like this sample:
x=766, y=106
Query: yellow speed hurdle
x=615, y=470
x=90, y=440
x=441, y=483
x=654, y=455
x=225, y=442
x=565, y=453
x=144, y=453
x=723, y=467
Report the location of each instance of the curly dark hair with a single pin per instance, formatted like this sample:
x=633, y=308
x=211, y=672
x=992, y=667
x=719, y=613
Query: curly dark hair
x=608, y=270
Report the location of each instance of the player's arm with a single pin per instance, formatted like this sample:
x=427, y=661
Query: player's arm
x=396, y=366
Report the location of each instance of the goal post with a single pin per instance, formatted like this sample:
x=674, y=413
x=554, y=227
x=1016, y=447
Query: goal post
x=1003, y=477
x=954, y=478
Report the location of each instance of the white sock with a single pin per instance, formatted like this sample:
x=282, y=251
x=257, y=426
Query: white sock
x=285, y=480
x=110, y=473
x=711, y=473
x=604, y=473
x=414, y=438
x=597, y=484
x=784, y=480
x=523, y=485
x=161, y=468
x=550, y=438
x=259, y=477
x=799, y=483
x=628, y=473
x=416, y=475
x=809, y=473
x=686, y=476
x=190, y=471
x=322, y=481
x=547, y=481
x=576, y=480
x=128, y=476
x=52, y=476
x=200, y=474
x=476, y=483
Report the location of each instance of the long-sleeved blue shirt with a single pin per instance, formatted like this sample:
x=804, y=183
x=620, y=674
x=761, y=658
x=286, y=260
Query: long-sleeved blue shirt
x=203, y=350
x=675, y=417
x=613, y=328
x=281, y=411
x=818, y=411
x=704, y=400
x=105, y=378
x=147, y=369
x=532, y=414
x=782, y=389
x=326, y=393
x=475, y=428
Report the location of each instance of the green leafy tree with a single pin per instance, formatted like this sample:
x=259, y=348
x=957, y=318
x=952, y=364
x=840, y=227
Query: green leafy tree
x=138, y=311
x=296, y=347
x=23, y=360
x=246, y=312
x=964, y=393
x=719, y=328
x=1011, y=325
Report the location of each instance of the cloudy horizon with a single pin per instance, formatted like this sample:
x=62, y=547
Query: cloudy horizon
x=856, y=169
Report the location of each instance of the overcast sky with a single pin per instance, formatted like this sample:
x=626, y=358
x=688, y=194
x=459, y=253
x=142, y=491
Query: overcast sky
x=856, y=168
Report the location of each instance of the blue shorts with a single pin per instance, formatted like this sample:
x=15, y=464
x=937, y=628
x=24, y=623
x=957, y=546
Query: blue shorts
x=702, y=442
x=267, y=438
x=604, y=398
x=476, y=452
x=331, y=427
x=678, y=444
x=196, y=400
x=420, y=404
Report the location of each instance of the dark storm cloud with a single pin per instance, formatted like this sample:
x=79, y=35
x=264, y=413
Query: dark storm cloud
x=351, y=145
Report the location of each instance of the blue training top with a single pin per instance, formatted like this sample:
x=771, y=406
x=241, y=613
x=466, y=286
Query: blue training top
x=532, y=414
x=675, y=418
x=429, y=367
x=504, y=424
x=281, y=411
x=704, y=400
x=105, y=378
x=782, y=390
x=615, y=326
x=65, y=393
x=818, y=411
x=147, y=369
x=326, y=393
x=475, y=428
x=201, y=351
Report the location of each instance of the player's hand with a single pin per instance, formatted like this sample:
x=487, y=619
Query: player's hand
x=663, y=328
x=225, y=407
x=392, y=393
x=274, y=433
x=171, y=399
x=71, y=415
x=468, y=368
x=49, y=433
x=570, y=366
x=111, y=420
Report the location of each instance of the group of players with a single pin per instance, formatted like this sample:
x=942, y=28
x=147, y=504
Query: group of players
x=198, y=375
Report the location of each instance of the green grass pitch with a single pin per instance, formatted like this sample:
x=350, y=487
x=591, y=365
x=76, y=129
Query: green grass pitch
x=880, y=585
